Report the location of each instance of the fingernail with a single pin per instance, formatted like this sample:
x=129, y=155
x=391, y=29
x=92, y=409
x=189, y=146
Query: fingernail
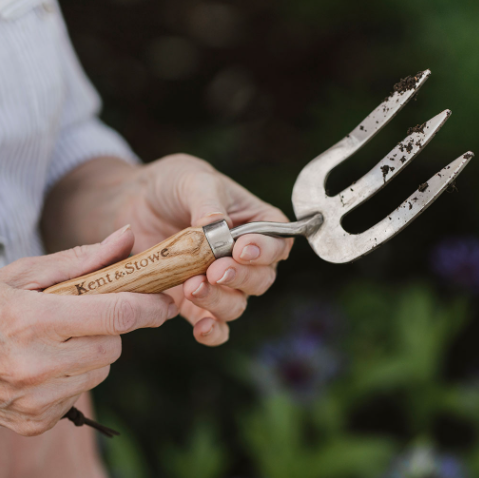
x=209, y=331
x=216, y=213
x=228, y=276
x=172, y=311
x=116, y=234
x=201, y=292
x=250, y=253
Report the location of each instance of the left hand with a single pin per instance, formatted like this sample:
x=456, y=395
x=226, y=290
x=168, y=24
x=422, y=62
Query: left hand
x=179, y=191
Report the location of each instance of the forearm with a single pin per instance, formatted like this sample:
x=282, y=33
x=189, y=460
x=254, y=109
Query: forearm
x=83, y=207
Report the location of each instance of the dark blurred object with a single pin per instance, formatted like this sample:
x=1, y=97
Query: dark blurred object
x=456, y=261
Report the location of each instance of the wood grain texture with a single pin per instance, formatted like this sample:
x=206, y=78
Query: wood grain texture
x=165, y=265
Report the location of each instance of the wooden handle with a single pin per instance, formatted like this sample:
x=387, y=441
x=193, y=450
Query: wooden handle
x=165, y=265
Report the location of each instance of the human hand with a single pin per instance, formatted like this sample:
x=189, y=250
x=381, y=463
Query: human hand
x=54, y=348
x=181, y=191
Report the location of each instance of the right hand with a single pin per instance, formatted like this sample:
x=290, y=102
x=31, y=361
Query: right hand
x=54, y=348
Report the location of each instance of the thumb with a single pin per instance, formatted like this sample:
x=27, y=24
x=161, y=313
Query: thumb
x=42, y=272
x=208, y=201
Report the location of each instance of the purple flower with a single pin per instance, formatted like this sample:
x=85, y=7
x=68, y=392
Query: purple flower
x=304, y=360
x=300, y=364
x=456, y=260
x=424, y=462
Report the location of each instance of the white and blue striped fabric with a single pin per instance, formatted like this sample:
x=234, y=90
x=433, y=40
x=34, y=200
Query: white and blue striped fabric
x=48, y=119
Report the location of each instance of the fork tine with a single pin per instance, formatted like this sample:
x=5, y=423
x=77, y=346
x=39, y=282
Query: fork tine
x=410, y=209
x=386, y=111
x=391, y=165
x=320, y=167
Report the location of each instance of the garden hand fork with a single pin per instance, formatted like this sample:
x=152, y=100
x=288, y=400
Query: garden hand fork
x=190, y=252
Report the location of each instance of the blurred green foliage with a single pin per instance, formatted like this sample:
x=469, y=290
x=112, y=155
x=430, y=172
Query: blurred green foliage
x=125, y=459
x=274, y=435
x=259, y=88
x=203, y=457
x=397, y=342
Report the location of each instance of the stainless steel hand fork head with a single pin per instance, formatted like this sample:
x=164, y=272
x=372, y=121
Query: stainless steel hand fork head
x=321, y=215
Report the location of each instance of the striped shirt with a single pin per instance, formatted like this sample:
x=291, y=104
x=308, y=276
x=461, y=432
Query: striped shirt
x=48, y=127
x=48, y=119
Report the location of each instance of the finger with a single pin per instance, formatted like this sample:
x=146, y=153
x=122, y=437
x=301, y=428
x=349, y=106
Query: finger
x=256, y=249
x=207, y=199
x=84, y=354
x=252, y=280
x=211, y=332
x=35, y=273
x=108, y=314
x=71, y=358
x=224, y=303
x=69, y=386
x=42, y=400
x=41, y=421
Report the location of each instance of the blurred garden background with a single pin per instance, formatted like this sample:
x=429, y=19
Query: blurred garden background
x=367, y=370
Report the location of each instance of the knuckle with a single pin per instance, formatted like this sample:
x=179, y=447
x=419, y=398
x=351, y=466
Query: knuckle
x=240, y=307
x=79, y=252
x=103, y=374
x=204, y=176
x=109, y=349
x=21, y=272
x=124, y=316
x=7, y=397
x=193, y=159
x=161, y=317
x=27, y=375
x=76, y=254
x=159, y=311
x=30, y=407
x=217, y=303
x=25, y=379
x=23, y=265
x=97, y=377
x=183, y=157
x=31, y=428
x=116, y=350
x=188, y=159
x=244, y=279
x=266, y=282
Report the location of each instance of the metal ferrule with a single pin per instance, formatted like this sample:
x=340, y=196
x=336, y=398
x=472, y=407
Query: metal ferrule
x=221, y=239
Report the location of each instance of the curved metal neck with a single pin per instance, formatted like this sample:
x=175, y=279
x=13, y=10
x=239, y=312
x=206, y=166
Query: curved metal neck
x=304, y=227
x=221, y=238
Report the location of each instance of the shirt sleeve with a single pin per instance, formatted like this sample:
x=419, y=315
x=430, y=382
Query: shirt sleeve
x=81, y=135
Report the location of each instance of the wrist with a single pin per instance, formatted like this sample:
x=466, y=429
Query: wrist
x=82, y=208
